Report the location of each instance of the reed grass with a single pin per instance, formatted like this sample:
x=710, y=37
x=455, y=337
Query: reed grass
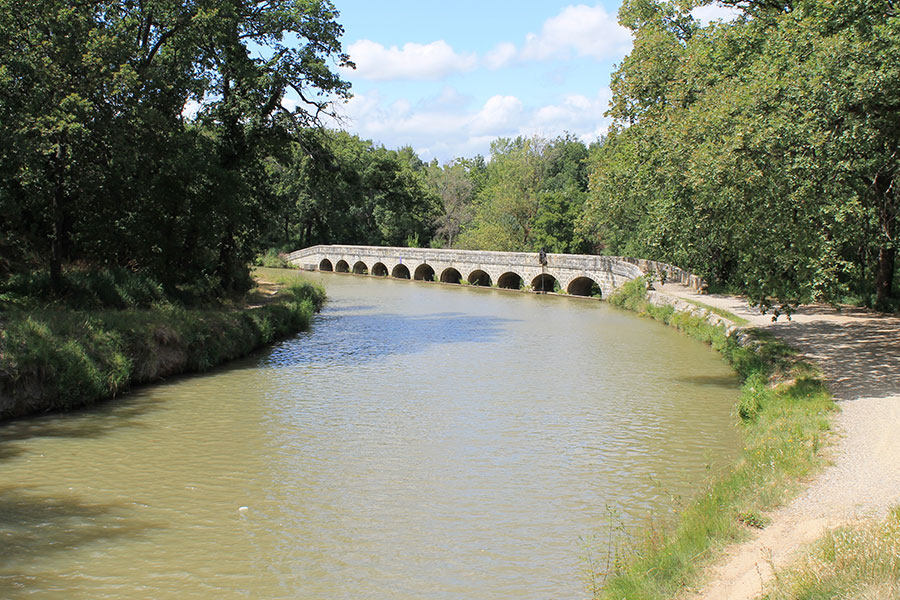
x=784, y=413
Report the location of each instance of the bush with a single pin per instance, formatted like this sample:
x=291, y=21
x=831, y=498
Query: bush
x=273, y=259
x=83, y=289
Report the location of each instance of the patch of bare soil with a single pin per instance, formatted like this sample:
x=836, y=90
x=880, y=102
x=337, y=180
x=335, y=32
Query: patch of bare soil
x=859, y=352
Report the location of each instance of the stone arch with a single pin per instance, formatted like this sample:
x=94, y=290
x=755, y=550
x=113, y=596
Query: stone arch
x=342, y=266
x=510, y=281
x=479, y=277
x=379, y=270
x=325, y=265
x=584, y=286
x=451, y=275
x=401, y=271
x=424, y=272
x=544, y=283
x=360, y=268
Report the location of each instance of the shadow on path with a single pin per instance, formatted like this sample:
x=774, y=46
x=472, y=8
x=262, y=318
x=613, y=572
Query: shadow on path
x=858, y=350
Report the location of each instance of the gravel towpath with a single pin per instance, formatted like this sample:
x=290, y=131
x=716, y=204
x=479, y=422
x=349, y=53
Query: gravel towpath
x=859, y=352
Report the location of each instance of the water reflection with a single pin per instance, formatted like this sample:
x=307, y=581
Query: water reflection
x=358, y=338
x=425, y=442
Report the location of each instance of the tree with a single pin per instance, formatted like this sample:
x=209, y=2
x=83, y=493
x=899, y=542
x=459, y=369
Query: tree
x=92, y=106
x=455, y=190
x=533, y=192
x=759, y=153
x=338, y=188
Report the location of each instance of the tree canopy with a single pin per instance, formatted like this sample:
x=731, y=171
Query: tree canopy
x=97, y=159
x=761, y=153
x=180, y=137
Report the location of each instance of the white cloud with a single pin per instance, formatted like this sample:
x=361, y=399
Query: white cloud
x=584, y=30
x=445, y=130
x=577, y=114
x=418, y=62
x=580, y=30
x=191, y=109
x=502, y=55
x=498, y=115
x=715, y=12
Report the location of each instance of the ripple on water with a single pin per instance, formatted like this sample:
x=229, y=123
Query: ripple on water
x=422, y=442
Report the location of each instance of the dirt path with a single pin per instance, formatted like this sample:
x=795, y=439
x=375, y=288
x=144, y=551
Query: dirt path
x=859, y=351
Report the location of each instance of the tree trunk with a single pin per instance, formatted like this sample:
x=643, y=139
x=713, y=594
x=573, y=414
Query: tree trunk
x=57, y=232
x=884, y=279
x=887, y=253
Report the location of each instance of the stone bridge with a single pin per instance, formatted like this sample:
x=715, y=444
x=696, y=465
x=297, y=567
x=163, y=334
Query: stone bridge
x=575, y=274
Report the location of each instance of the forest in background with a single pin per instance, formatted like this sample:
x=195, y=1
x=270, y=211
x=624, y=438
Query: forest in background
x=760, y=153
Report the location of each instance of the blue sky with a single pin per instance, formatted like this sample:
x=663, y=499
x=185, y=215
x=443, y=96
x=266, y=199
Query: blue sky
x=449, y=77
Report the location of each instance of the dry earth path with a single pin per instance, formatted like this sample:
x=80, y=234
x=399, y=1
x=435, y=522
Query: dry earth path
x=859, y=352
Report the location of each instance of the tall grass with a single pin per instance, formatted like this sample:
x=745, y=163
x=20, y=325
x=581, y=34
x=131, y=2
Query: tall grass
x=53, y=359
x=856, y=562
x=783, y=412
x=83, y=289
x=273, y=259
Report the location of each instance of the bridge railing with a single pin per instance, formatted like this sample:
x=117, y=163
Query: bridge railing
x=658, y=269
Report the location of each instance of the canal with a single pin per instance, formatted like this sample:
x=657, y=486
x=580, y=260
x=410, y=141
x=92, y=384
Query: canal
x=419, y=442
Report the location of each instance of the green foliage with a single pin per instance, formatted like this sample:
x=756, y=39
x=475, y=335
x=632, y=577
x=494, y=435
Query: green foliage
x=755, y=395
x=82, y=289
x=784, y=409
x=101, y=162
x=60, y=359
x=334, y=187
x=532, y=194
x=455, y=185
x=272, y=259
x=758, y=153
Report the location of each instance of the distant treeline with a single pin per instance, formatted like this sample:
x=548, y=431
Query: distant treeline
x=761, y=153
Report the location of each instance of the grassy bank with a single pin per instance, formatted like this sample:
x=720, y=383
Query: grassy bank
x=783, y=410
x=54, y=358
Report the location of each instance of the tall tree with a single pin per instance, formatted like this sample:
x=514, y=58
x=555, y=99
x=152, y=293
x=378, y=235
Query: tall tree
x=760, y=152
x=91, y=120
x=455, y=190
x=532, y=193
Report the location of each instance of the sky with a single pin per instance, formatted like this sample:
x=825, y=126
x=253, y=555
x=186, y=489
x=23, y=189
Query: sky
x=449, y=77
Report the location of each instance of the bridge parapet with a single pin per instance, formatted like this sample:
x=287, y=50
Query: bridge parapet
x=573, y=273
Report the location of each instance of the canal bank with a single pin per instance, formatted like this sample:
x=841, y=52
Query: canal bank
x=837, y=536
x=58, y=359
x=785, y=414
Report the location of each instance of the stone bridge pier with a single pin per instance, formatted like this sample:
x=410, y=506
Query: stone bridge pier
x=575, y=274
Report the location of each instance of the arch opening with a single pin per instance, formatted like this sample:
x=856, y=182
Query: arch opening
x=325, y=265
x=360, y=268
x=379, y=270
x=451, y=275
x=585, y=286
x=400, y=272
x=342, y=266
x=545, y=283
x=479, y=277
x=424, y=273
x=510, y=281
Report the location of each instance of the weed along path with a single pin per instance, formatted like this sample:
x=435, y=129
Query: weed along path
x=859, y=353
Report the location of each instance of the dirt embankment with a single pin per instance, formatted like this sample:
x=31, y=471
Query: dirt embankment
x=859, y=352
